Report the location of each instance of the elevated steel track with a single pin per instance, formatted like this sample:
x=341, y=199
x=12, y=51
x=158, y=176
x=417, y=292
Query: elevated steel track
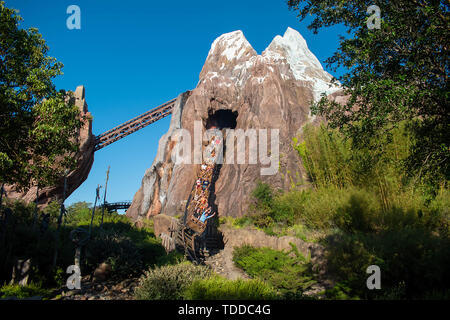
x=134, y=125
x=111, y=206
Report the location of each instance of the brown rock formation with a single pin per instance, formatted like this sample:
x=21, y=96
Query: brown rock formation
x=164, y=224
x=268, y=91
x=84, y=158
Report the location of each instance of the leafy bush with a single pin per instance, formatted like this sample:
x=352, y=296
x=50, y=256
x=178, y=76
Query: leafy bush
x=413, y=260
x=320, y=207
x=218, y=288
x=23, y=238
x=240, y=222
x=340, y=291
x=129, y=250
x=290, y=275
x=357, y=214
x=22, y=292
x=79, y=213
x=270, y=208
x=169, y=282
x=300, y=231
x=119, y=251
x=353, y=209
x=326, y=156
x=263, y=193
x=173, y=257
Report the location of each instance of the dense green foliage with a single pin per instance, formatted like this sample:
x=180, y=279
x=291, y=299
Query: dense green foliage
x=36, y=123
x=169, y=282
x=413, y=263
x=187, y=281
x=356, y=192
x=218, y=288
x=21, y=292
x=290, y=274
x=364, y=210
x=128, y=250
x=22, y=239
x=396, y=73
x=365, y=192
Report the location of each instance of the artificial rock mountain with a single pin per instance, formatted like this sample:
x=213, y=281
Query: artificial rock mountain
x=273, y=90
x=84, y=158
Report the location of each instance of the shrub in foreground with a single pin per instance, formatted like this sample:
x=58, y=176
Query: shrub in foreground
x=169, y=282
x=218, y=288
x=414, y=263
x=21, y=292
x=291, y=276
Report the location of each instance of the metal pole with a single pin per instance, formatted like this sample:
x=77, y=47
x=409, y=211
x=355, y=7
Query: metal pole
x=93, y=209
x=104, y=196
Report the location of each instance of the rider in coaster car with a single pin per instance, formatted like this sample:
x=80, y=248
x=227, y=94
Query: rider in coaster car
x=206, y=215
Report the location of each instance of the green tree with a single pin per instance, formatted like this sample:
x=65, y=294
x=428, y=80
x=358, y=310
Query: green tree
x=37, y=124
x=394, y=73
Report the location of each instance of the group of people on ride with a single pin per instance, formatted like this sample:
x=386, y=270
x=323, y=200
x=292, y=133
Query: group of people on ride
x=199, y=200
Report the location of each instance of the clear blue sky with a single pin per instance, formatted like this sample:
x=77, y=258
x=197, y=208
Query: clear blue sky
x=133, y=55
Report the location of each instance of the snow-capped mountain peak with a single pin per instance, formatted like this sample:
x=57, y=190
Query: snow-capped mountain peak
x=232, y=60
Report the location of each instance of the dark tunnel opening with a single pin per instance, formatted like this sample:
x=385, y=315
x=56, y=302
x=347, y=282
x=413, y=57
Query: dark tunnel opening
x=222, y=119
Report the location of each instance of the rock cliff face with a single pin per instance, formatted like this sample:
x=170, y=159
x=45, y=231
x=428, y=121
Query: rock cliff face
x=84, y=158
x=250, y=91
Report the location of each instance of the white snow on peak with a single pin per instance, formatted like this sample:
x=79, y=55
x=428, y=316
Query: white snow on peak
x=299, y=48
x=302, y=62
x=234, y=42
x=290, y=51
x=293, y=47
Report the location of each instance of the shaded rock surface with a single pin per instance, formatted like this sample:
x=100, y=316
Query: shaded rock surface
x=84, y=159
x=164, y=224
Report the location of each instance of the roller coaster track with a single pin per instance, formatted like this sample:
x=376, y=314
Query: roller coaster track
x=111, y=206
x=134, y=125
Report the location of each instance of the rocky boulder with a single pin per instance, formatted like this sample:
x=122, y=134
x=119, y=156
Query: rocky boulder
x=164, y=224
x=102, y=272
